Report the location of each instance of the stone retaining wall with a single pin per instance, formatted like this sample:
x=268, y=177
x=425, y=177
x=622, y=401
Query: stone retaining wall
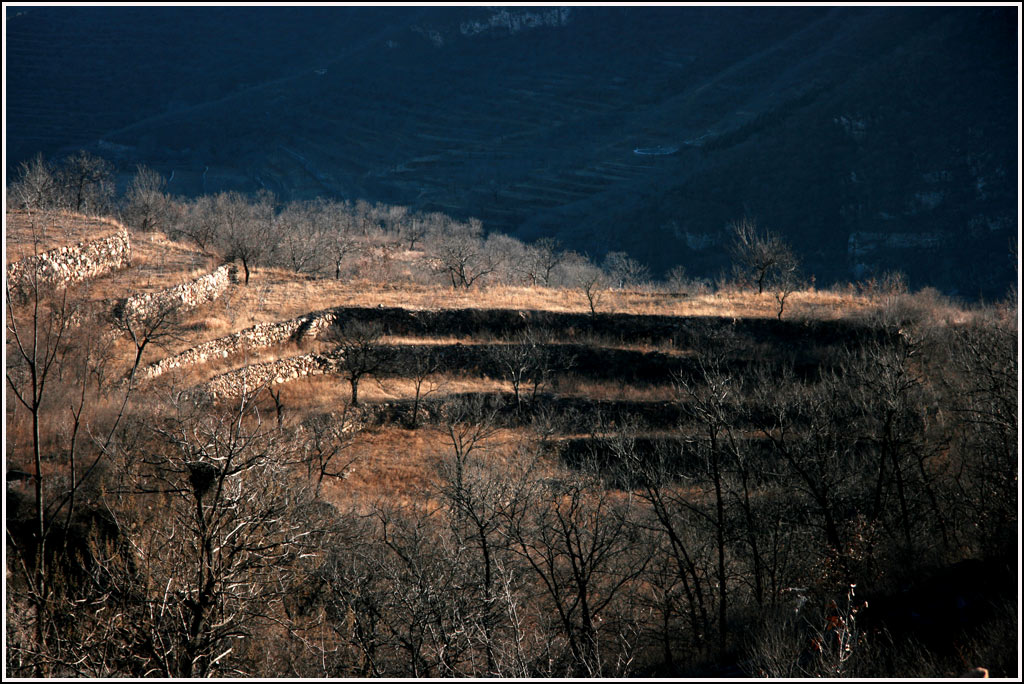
x=257, y=337
x=184, y=296
x=71, y=264
x=235, y=383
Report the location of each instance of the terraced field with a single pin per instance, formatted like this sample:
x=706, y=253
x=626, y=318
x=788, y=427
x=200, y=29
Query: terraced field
x=615, y=368
x=708, y=414
x=533, y=361
x=29, y=233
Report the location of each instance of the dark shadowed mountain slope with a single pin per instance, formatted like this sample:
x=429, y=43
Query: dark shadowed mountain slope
x=872, y=138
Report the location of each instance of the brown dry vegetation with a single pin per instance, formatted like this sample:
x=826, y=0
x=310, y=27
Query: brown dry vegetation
x=398, y=466
x=275, y=294
x=159, y=263
x=394, y=475
x=279, y=294
x=32, y=232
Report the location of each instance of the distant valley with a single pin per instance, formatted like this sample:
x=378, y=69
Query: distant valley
x=874, y=139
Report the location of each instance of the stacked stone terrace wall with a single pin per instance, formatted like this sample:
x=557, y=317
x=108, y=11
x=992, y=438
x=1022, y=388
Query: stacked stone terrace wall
x=183, y=296
x=257, y=337
x=71, y=264
x=235, y=383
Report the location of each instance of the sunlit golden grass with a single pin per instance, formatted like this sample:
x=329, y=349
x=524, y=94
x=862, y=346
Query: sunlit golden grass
x=394, y=464
x=159, y=263
x=275, y=294
x=197, y=331
x=401, y=466
x=389, y=463
x=408, y=340
x=31, y=232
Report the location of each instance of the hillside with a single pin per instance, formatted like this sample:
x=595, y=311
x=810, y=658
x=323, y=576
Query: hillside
x=324, y=476
x=873, y=138
x=623, y=353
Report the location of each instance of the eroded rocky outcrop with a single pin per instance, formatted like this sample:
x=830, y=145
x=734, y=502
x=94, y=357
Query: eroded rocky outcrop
x=517, y=20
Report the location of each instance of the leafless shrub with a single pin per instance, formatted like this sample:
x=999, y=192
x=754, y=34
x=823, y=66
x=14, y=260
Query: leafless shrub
x=760, y=256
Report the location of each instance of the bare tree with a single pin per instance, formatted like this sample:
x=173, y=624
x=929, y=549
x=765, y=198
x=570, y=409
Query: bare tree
x=476, y=496
x=625, y=271
x=578, y=541
x=543, y=257
x=458, y=252
x=36, y=185
x=300, y=237
x=147, y=206
x=759, y=255
x=808, y=427
x=245, y=228
x=677, y=280
x=315, y=237
x=590, y=280
x=980, y=388
x=199, y=222
x=414, y=229
x=325, y=440
x=87, y=182
x=154, y=323
x=58, y=355
x=509, y=257
x=887, y=390
x=428, y=611
x=467, y=425
x=422, y=369
x=393, y=219
x=785, y=282
x=527, y=365
x=337, y=235
x=37, y=344
x=682, y=551
x=220, y=541
x=710, y=404
x=813, y=643
x=358, y=345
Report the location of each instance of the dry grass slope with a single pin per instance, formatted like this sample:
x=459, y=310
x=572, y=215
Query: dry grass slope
x=32, y=232
x=396, y=460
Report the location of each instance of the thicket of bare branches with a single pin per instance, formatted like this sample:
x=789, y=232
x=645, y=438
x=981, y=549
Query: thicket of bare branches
x=160, y=536
x=153, y=534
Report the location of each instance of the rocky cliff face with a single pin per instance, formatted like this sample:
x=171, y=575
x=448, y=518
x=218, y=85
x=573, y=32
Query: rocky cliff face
x=441, y=31
x=514, y=21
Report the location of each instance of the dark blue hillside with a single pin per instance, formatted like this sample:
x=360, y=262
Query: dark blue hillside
x=873, y=138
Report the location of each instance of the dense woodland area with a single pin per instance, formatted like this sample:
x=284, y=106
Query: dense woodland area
x=804, y=498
